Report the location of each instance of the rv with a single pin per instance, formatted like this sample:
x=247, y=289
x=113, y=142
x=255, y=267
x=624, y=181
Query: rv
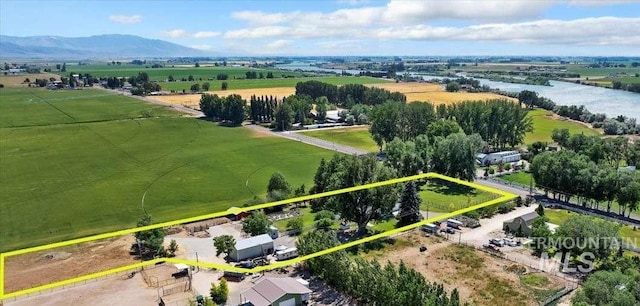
x=430, y=228
x=454, y=223
x=286, y=254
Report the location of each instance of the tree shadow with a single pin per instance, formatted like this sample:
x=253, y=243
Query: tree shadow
x=449, y=188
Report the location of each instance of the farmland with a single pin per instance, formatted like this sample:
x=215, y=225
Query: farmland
x=95, y=155
x=544, y=122
x=435, y=93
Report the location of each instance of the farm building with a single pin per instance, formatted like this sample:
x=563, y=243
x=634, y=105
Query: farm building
x=522, y=224
x=252, y=247
x=284, y=291
x=236, y=215
x=497, y=157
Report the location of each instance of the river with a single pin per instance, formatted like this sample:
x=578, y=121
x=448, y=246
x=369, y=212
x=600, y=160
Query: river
x=595, y=99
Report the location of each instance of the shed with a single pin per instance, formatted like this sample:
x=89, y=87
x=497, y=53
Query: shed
x=256, y=246
x=269, y=291
x=235, y=214
x=522, y=223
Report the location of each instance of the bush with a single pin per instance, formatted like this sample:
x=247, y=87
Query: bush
x=507, y=167
x=492, y=171
x=350, y=120
x=473, y=215
x=506, y=207
x=324, y=214
x=487, y=212
x=324, y=224
x=295, y=224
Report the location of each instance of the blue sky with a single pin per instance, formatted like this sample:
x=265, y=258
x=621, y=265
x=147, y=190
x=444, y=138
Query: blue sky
x=346, y=27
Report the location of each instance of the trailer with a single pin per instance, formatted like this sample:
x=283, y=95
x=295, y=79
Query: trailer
x=454, y=223
x=287, y=254
x=430, y=228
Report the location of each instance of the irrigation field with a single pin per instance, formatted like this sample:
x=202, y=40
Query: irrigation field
x=76, y=163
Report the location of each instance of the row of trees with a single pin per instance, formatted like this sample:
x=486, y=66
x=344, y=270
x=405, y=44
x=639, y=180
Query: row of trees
x=263, y=108
x=566, y=174
x=349, y=94
x=608, y=151
x=230, y=109
x=368, y=281
x=499, y=122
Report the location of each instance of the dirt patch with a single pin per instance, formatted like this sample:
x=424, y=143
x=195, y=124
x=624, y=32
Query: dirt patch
x=435, y=93
x=480, y=278
x=259, y=133
x=40, y=268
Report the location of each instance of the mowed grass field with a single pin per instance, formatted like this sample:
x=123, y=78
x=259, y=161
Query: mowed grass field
x=64, y=178
x=443, y=196
x=544, y=122
x=358, y=137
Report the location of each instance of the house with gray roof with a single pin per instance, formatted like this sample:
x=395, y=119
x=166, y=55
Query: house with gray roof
x=256, y=246
x=522, y=224
x=275, y=291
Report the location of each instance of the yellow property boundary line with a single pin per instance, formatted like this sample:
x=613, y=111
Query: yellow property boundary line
x=504, y=196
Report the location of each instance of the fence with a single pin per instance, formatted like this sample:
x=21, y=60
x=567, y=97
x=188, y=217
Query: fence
x=557, y=296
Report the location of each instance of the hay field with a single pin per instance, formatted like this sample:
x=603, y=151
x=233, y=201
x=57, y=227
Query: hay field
x=435, y=93
x=193, y=100
x=16, y=80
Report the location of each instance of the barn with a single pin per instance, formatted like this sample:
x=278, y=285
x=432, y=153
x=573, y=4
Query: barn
x=252, y=247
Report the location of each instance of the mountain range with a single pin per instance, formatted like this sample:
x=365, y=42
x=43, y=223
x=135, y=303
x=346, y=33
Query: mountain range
x=99, y=46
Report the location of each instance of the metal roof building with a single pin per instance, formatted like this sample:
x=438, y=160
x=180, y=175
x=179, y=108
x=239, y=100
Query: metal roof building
x=256, y=246
x=275, y=291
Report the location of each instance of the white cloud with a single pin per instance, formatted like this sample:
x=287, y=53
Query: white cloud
x=206, y=34
x=587, y=31
x=202, y=47
x=179, y=33
x=125, y=19
x=278, y=44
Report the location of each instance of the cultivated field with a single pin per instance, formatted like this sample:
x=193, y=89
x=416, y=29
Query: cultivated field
x=545, y=121
x=267, y=83
x=86, y=158
x=193, y=100
x=435, y=93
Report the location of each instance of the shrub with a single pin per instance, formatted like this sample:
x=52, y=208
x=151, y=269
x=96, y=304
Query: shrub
x=324, y=214
x=507, y=167
x=506, y=207
x=324, y=224
x=492, y=171
x=295, y=224
x=473, y=215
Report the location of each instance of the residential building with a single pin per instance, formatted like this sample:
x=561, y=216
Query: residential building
x=497, y=157
x=275, y=291
x=520, y=224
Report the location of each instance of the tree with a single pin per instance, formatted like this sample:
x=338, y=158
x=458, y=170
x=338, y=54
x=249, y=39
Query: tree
x=324, y=224
x=455, y=155
x=195, y=87
x=224, y=86
x=609, y=288
x=582, y=230
x=358, y=206
x=278, y=187
x=256, y=224
x=224, y=244
x=171, y=79
x=540, y=233
x=295, y=224
x=284, y=117
x=452, y=87
x=206, y=86
x=540, y=210
x=235, y=109
x=528, y=98
x=442, y=128
x=190, y=78
x=197, y=65
x=629, y=196
x=173, y=248
x=219, y=294
x=321, y=108
x=152, y=240
x=212, y=106
x=560, y=136
x=409, y=205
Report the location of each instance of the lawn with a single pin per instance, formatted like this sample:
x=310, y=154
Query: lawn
x=521, y=177
x=69, y=180
x=355, y=137
x=444, y=196
x=544, y=123
x=267, y=83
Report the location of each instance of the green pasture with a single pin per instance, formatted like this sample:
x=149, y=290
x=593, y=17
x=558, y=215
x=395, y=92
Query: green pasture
x=544, y=123
x=443, y=196
x=62, y=181
x=355, y=137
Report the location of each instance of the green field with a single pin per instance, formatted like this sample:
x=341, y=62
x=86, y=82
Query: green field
x=161, y=74
x=355, y=137
x=543, y=126
x=522, y=178
x=268, y=83
x=61, y=181
x=444, y=196
x=585, y=72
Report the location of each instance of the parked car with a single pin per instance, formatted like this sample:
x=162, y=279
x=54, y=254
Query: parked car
x=448, y=230
x=511, y=242
x=246, y=264
x=496, y=242
x=491, y=247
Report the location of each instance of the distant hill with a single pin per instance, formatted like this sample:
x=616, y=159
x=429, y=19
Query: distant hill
x=100, y=46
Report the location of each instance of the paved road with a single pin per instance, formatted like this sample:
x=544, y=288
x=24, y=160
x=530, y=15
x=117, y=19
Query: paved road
x=310, y=140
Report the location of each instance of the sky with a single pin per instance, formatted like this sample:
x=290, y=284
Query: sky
x=347, y=27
